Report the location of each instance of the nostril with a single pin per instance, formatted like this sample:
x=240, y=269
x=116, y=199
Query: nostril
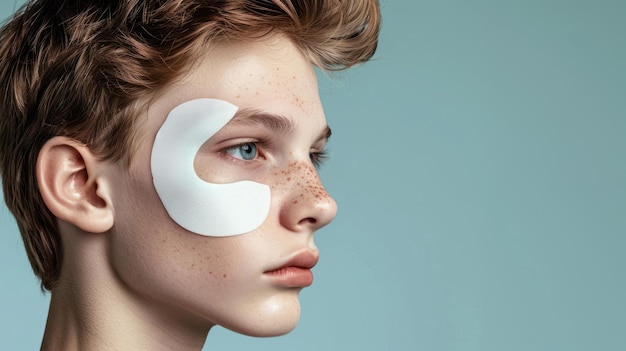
x=308, y=220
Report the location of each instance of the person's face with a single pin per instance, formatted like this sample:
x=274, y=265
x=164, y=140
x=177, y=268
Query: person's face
x=198, y=280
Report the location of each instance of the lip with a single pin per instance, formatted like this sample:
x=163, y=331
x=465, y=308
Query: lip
x=296, y=272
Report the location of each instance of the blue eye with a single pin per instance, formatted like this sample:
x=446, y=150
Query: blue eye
x=246, y=151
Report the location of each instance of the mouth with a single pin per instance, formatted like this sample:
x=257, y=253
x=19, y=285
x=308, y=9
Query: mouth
x=296, y=272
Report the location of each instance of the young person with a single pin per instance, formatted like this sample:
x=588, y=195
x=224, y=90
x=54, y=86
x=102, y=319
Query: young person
x=159, y=157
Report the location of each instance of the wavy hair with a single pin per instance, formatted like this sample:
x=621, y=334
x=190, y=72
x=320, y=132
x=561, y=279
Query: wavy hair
x=81, y=68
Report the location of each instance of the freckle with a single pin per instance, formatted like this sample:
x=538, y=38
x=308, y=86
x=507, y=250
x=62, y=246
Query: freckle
x=288, y=178
x=238, y=96
x=210, y=272
x=224, y=275
x=295, y=202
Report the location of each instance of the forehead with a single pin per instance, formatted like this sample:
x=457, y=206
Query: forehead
x=270, y=75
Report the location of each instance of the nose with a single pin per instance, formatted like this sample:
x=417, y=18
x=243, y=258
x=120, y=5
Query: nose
x=307, y=206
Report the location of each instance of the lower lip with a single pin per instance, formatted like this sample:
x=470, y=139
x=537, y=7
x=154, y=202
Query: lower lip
x=292, y=277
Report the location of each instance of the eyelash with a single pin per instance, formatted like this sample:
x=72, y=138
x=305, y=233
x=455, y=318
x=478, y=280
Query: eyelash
x=318, y=158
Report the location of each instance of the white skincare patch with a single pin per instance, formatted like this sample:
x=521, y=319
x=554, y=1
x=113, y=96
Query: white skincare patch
x=199, y=206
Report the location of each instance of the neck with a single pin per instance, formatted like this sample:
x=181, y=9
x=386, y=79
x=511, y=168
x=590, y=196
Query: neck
x=92, y=310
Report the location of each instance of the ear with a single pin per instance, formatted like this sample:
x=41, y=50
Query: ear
x=72, y=186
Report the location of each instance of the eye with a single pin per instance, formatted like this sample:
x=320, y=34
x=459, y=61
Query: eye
x=246, y=151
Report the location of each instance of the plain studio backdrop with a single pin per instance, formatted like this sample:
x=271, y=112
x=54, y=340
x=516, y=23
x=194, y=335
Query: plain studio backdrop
x=479, y=165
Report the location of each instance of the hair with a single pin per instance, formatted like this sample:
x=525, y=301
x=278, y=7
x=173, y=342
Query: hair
x=79, y=69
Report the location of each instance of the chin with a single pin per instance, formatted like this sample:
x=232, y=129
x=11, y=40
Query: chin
x=275, y=318
x=267, y=330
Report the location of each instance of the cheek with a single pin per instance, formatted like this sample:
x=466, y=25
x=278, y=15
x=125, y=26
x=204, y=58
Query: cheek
x=199, y=206
x=159, y=259
x=297, y=183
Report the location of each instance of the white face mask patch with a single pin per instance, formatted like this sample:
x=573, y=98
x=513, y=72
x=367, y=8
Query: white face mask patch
x=199, y=206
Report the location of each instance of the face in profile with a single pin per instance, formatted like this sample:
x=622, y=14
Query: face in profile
x=248, y=282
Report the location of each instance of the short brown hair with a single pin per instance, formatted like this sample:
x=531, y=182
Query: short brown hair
x=79, y=69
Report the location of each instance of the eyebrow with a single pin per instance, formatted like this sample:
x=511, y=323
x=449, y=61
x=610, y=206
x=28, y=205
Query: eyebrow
x=273, y=122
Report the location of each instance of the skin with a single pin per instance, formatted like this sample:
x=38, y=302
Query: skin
x=134, y=279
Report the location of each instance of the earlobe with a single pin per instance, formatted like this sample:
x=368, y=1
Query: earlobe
x=72, y=186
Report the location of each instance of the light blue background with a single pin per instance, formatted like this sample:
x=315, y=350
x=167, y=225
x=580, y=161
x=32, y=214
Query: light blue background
x=479, y=163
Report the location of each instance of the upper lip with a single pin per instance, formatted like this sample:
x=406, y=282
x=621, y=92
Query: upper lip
x=305, y=259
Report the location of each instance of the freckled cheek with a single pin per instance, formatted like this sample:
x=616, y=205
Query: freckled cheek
x=217, y=261
x=295, y=183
